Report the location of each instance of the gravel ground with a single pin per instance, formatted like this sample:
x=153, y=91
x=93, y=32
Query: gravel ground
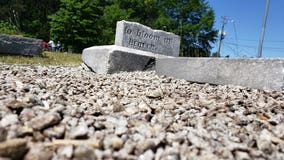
x=71, y=113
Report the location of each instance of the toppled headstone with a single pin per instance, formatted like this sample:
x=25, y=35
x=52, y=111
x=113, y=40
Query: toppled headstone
x=17, y=45
x=113, y=59
x=138, y=36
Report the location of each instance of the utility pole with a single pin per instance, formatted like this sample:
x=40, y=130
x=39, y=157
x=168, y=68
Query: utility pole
x=222, y=34
x=263, y=29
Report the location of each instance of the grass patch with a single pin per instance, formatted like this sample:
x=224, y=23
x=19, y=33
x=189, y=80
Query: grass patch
x=48, y=58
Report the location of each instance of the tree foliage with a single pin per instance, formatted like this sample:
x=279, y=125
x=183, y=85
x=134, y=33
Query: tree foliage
x=7, y=28
x=10, y=12
x=84, y=23
x=142, y=11
x=34, y=19
x=76, y=23
x=28, y=17
x=193, y=20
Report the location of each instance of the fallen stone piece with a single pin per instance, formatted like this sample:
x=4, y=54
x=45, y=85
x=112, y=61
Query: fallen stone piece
x=138, y=36
x=17, y=45
x=113, y=59
x=258, y=73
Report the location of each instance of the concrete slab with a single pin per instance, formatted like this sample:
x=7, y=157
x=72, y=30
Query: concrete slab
x=112, y=59
x=267, y=74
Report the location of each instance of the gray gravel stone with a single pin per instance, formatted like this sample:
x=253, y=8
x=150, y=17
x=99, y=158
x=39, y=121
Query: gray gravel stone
x=78, y=132
x=9, y=119
x=42, y=122
x=14, y=148
x=38, y=152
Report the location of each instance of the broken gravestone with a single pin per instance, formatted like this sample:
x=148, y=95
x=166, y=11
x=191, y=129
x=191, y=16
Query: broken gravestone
x=17, y=45
x=136, y=49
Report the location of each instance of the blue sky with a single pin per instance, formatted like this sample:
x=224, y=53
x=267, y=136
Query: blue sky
x=243, y=32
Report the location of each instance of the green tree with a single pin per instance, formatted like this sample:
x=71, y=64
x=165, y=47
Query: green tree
x=76, y=23
x=28, y=17
x=191, y=19
x=34, y=18
x=111, y=14
x=86, y=23
x=7, y=28
x=10, y=11
x=142, y=11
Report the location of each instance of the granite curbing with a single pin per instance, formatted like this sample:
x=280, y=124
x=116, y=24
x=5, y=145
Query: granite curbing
x=259, y=73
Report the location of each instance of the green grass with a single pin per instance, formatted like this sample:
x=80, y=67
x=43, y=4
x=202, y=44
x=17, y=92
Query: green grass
x=48, y=58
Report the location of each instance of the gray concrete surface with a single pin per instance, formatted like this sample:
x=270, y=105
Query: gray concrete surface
x=267, y=74
x=16, y=45
x=141, y=37
x=114, y=59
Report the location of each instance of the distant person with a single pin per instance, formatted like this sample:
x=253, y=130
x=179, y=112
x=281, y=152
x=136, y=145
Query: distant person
x=52, y=45
x=44, y=45
x=58, y=46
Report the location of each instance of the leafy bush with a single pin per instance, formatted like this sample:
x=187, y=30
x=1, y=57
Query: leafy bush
x=7, y=28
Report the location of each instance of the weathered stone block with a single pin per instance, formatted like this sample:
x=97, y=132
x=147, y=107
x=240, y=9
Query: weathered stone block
x=138, y=36
x=113, y=59
x=254, y=73
x=16, y=45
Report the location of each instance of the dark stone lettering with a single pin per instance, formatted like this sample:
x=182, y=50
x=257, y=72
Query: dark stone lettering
x=139, y=33
x=145, y=35
x=128, y=30
x=167, y=40
x=130, y=41
x=135, y=43
x=156, y=38
x=143, y=45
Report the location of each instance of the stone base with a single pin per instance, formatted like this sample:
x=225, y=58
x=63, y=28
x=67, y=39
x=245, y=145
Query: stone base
x=267, y=74
x=16, y=45
x=113, y=59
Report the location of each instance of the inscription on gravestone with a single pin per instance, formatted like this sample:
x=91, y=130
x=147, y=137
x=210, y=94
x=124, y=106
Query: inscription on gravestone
x=137, y=36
